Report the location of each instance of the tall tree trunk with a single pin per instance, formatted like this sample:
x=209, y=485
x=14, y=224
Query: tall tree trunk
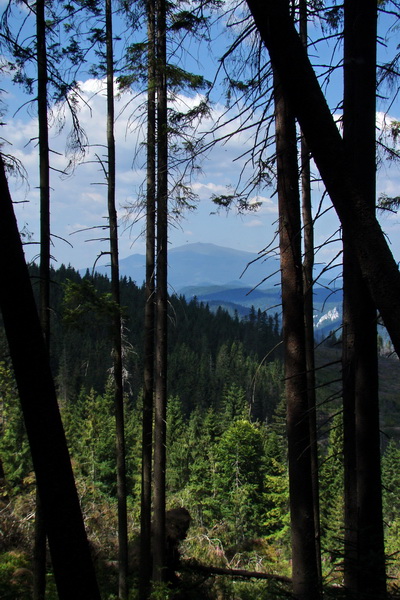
x=159, y=542
x=349, y=422
x=304, y=566
x=364, y=550
x=117, y=325
x=308, y=267
x=149, y=315
x=301, y=88
x=44, y=171
x=69, y=548
x=39, y=550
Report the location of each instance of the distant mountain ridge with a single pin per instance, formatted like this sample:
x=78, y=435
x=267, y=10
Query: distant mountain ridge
x=327, y=304
x=233, y=279
x=204, y=264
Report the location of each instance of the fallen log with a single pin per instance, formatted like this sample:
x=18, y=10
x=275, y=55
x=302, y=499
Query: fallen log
x=206, y=570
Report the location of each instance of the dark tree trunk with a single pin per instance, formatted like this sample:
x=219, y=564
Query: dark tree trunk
x=364, y=566
x=39, y=552
x=149, y=316
x=308, y=267
x=349, y=425
x=39, y=549
x=304, y=567
x=117, y=324
x=44, y=171
x=159, y=541
x=2, y=480
x=69, y=548
x=302, y=90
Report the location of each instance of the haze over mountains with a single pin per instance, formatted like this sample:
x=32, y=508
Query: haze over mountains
x=204, y=264
x=233, y=279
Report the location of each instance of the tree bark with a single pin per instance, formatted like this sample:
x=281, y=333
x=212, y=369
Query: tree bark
x=304, y=564
x=302, y=90
x=39, y=552
x=149, y=316
x=308, y=288
x=159, y=541
x=69, y=548
x=39, y=548
x=44, y=171
x=364, y=565
x=117, y=324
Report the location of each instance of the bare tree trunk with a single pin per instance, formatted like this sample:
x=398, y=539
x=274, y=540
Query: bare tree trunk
x=149, y=316
x=349, y=424
x=159, y=542
x=39, y=549
x=117, y=325
x=304, y=566
x=364, y=566
x=308, y=267
x=69, y=548
x=39, y=553
x=2, y=474
x=302, y=90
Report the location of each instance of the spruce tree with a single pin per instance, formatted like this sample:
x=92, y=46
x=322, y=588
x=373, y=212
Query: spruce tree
x=116, y=318
x=160, y=405
x=276, y=518
x=305, y=569
x=177, y=473
x=391, y=504
x=332, y=495
x=240, y=473
x=14, y=447
x=149, y=311
x=204, y=431
x=39, y=552
x=364, y=566
x=308, y=288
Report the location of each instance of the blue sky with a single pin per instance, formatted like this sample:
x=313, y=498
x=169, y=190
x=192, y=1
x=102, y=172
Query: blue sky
x=79, y=201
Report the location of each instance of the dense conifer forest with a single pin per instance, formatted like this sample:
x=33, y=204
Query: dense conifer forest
x=226, y=445
x=208, y=352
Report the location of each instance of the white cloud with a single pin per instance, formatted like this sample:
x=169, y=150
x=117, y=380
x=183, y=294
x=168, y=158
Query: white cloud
x=267, y=206
x=254, y=223
x=79, y=201
x=384, y=121
x=209, y=188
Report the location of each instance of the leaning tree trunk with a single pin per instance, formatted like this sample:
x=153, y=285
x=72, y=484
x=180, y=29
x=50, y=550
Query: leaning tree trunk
x=304, y=564
x=69, y=548
x=39, y=548
x=301, y=88
x=364, y=565
x=117, y=325
x=159, y=541
x=149, y=316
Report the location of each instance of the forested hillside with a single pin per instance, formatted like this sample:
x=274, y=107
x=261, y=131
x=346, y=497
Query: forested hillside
x=208, y=351
x=224, y=388
x=226, y=442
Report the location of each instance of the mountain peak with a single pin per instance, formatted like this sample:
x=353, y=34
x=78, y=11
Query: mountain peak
x=203, y=263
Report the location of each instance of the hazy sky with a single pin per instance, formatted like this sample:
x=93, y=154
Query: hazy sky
x=79, y=201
